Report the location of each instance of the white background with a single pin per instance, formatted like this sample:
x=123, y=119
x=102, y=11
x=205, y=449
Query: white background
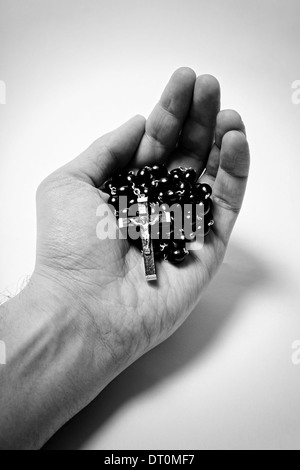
x=75, y=69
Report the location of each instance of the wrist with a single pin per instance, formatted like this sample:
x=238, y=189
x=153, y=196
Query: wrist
x=55, y=363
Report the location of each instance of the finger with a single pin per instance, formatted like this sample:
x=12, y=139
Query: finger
x=164, y=124
x=227, y=120
x=230, y=183
x=110, y=152
x=199, y=129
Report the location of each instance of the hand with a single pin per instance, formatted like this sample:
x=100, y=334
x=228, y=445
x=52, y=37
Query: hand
x=106, y=278
x=88, y=312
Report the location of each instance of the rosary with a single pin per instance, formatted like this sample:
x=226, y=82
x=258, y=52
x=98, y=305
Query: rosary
x=167, y=209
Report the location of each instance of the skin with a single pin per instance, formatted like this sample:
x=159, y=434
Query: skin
x=88, y=313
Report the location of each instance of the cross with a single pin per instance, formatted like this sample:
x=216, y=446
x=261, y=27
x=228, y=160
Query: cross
x=143, y=221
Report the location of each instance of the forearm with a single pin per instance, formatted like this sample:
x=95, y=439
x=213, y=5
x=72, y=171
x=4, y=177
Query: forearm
x=52, y=369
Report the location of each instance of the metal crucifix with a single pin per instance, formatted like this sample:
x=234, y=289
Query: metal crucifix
x=143, y=221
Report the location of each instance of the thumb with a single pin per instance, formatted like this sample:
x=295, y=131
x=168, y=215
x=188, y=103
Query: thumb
x=107, y=154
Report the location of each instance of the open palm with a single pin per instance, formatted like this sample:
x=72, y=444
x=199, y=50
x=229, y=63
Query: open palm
x=106, y=278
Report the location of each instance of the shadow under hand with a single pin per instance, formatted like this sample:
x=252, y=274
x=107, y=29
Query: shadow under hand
x=239, y=274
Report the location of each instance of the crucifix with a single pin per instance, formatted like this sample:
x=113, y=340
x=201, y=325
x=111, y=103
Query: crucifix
x=144, y=222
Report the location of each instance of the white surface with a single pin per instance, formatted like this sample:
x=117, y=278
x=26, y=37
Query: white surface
x=74, y=69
